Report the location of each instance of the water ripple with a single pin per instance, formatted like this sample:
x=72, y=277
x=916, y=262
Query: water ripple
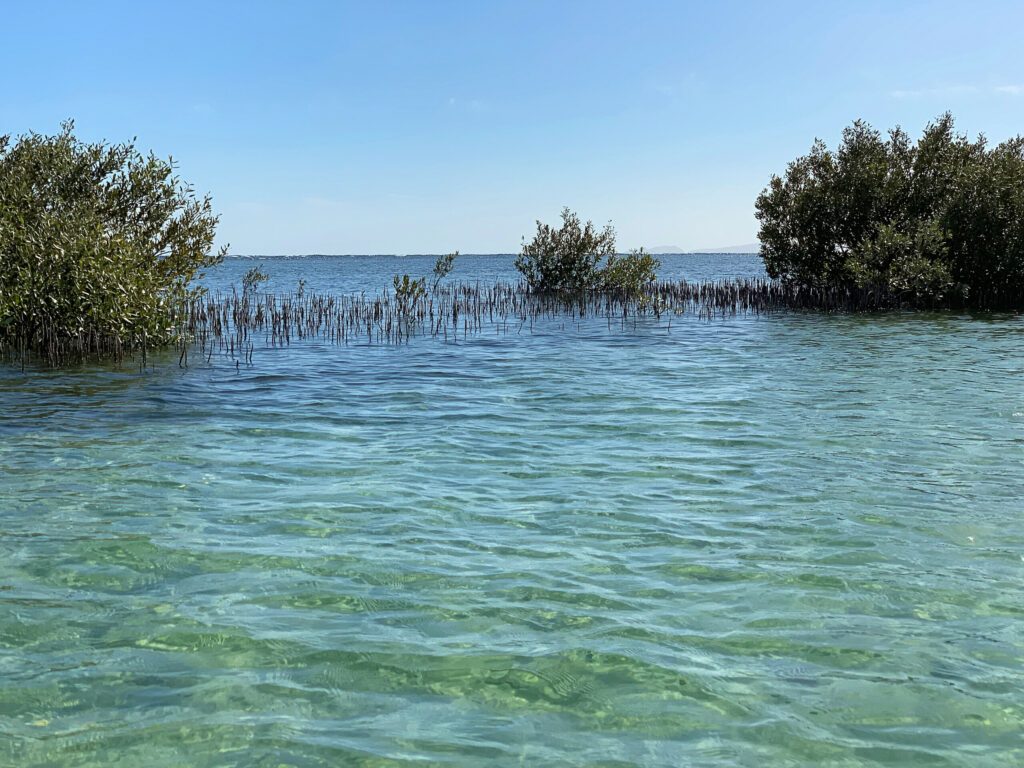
x=789, y=540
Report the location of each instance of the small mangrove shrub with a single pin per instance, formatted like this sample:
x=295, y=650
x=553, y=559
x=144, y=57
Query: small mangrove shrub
x=630, y=274
x=443, y=267
x=937, y=222
x=99, y=244
x=576, y=258
x=408, y=291
x=566, y=259
x=253, y=278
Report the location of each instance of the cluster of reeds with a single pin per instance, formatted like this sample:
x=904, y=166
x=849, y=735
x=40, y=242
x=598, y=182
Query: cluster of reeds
x=235, y=324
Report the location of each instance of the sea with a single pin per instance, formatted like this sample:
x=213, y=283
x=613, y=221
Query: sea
x=789, y=539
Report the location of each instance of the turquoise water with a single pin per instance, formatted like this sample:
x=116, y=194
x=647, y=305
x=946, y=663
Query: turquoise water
x=786, y=540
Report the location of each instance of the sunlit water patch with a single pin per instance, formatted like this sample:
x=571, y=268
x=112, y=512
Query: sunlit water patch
x=787, y=540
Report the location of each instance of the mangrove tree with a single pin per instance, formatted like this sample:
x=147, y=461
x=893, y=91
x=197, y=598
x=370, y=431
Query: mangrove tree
x=99, y=244
x=936, y=222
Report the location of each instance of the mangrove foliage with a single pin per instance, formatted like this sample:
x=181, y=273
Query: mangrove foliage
x=577, y=258
x=934, y=223
x=98, y=246
x=409, y=291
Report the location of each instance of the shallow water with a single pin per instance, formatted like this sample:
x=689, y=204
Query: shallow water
x=786, y=540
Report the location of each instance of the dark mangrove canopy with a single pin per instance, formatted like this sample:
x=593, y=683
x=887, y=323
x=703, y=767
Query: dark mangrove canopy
x=98, y=245
x=939, y=222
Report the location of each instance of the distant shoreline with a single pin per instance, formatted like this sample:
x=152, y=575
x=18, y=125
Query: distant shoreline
x=434, y=255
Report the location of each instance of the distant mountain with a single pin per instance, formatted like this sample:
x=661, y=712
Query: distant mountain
x=746, y=248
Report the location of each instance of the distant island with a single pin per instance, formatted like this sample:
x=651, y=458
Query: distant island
x=745, y=248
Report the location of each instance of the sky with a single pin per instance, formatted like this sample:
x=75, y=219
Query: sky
x=431, y=126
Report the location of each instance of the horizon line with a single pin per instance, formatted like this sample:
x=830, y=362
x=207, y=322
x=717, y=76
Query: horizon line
x=481, y=253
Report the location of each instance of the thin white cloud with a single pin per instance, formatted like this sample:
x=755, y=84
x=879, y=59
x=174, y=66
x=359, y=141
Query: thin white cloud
x=467, y=105
x=674, y=86
x=947, y=91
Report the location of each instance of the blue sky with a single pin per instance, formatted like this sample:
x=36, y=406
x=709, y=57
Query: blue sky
x=405, y=127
